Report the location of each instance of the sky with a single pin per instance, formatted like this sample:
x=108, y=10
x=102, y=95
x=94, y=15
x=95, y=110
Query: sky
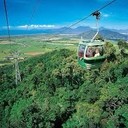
x=41, y=14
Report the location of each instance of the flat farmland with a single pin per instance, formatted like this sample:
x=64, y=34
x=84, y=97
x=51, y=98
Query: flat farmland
x=34, y=45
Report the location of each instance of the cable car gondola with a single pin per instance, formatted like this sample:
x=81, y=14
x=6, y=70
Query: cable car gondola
x=91, y=52
x=91, y=55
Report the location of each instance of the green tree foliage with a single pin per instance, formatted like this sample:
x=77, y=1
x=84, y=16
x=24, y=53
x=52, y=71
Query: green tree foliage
x=122, y=44
x=110, y=51
x=56, y=92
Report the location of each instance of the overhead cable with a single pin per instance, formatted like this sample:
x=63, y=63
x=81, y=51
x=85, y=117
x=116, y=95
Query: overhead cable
x=7, y=21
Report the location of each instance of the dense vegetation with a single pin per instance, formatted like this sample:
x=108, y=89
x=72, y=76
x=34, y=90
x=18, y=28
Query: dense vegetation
x=56, y=92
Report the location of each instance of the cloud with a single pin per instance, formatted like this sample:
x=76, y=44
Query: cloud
x=106, y=15
x=30, y=27
x=33, y=26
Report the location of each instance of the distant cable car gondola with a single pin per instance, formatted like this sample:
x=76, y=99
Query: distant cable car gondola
x=91, y=52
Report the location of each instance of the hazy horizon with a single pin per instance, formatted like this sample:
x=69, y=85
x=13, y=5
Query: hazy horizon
x=50, y=14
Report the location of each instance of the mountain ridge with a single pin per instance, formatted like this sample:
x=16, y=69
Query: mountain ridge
x=80, y=30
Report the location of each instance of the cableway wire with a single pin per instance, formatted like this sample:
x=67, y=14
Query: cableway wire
x=88, y=16
x=33, y=13
x=7, y=22
x=69, y=27
x=15, y=54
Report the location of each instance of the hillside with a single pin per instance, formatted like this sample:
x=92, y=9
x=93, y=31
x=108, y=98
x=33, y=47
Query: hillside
x=105, y=33
x=109, y=34
x=56, y=92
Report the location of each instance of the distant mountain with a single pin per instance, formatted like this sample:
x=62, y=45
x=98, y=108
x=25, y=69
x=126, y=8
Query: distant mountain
x=122, y=31
x=81, y=29
x=63, y=30
x=84, y=31
x=105, y=33
x=109, y=34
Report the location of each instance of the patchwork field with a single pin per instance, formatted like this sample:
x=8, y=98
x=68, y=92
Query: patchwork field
x=34, y=45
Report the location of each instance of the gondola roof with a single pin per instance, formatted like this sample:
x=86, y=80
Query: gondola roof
x=94, y=43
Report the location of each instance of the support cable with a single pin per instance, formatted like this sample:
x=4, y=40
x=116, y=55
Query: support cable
x=7, y=21
x=15, y=55
x=33, y=13
x=91, y=14
x=88, y=16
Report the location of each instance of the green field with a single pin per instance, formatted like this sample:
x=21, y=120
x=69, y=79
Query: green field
x=34, y=45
